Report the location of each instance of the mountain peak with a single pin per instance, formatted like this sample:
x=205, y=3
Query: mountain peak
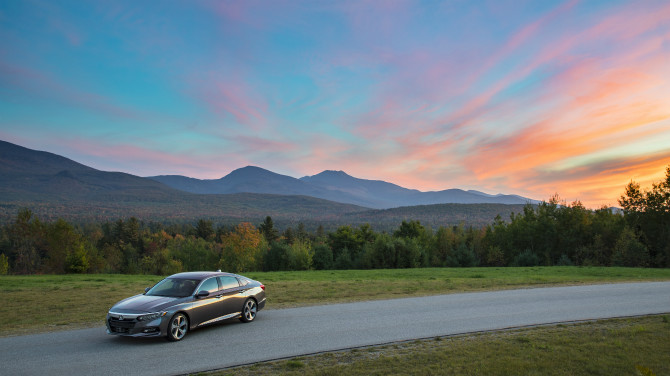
x=338, y=173
x=251, y=176
x=329, y=175
x=250, y=170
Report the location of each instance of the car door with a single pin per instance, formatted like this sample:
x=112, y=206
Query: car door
x=207, y=308
x=231, y=291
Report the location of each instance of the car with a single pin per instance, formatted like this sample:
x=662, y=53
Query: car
x=186, y=301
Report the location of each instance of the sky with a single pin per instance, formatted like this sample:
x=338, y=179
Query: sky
x=534, y=98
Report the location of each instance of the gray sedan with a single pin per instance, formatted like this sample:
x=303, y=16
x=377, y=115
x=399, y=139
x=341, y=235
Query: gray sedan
x=185, y=301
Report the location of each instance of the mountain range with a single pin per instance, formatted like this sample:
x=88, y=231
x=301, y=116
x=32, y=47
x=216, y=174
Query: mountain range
x=53, y=187
x=335, y=186
x=30, y=175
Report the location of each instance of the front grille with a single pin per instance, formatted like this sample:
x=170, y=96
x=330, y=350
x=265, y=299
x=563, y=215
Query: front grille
x=121, y=326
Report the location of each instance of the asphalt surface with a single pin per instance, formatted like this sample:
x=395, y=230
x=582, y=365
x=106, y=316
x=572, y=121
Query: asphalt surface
x=298, y=331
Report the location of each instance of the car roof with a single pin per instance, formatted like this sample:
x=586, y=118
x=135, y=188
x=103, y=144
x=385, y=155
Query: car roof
x=200, y=275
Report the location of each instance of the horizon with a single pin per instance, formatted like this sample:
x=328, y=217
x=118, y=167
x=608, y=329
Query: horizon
x=514, y=97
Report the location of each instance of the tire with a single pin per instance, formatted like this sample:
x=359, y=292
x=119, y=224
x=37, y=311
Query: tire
x=177, y=327
x=249, y=311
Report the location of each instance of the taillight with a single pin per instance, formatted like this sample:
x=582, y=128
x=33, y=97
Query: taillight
x=263, y=286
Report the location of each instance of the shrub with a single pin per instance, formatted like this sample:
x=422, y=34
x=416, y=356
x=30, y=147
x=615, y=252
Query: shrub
x=564, y=261
x=463, y=256
x=629, y=251
x=526, y=258
x=77, y=261
x=4, y=264
x=277, y=257
x=495, y=256
x=343, y=261
x=300, y=255
x=322, y=258
x=408, y=252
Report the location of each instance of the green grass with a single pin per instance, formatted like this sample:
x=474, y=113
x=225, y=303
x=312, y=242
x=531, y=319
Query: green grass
x=289, y=289
x=55, y=302
x=634, y=346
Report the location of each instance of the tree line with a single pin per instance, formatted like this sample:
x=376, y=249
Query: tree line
x=551, y=233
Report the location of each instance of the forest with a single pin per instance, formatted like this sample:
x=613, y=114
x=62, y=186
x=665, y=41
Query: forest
x=551, y=233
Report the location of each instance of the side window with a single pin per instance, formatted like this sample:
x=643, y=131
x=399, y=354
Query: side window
x=210, y=285
x=228, y=282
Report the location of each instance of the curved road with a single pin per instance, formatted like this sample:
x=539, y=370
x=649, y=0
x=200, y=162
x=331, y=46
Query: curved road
x=299, y=331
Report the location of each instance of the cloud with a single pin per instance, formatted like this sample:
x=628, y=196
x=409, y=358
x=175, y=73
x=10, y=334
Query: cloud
x=148, y=159
x=43, y=86
x=566, y=104
x=238, y=99
x=261, y=145
x=600, y=183
x=491, y=96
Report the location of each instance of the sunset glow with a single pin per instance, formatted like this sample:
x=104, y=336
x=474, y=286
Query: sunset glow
x=533, y=98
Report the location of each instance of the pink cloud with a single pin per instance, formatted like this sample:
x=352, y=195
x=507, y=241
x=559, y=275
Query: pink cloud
x=627, y=23
x=375, y=21
x=256, y=144
x=236, y=99
x=43, y=85
x=587, y=103
x=147, y=160
x=71, y=33
x=427, y=81
x=440, y=80
x=232, y=95
x=522, y=36
x=246, y=14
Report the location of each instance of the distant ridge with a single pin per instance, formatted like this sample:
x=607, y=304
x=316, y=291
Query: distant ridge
x=53, y=187
x=335, y=186
x=38, y=175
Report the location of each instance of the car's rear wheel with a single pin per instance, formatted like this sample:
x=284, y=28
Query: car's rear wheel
x=177, y=327
x=249, y=311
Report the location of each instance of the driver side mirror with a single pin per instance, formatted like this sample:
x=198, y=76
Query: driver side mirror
x=202, y=294
x=146, y=290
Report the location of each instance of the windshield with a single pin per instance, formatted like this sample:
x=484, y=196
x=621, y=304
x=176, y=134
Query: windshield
x=174, y=287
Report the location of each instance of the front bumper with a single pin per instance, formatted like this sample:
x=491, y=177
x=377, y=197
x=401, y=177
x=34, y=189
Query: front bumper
x=127, y=325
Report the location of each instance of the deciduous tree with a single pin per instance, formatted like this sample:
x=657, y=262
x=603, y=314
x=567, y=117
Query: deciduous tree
x=242, y=249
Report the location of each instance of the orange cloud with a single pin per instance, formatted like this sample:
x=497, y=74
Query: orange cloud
x=600, y=183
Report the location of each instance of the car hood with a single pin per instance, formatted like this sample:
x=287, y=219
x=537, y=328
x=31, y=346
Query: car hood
x=146, y=303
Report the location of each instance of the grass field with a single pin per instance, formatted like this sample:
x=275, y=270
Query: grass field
x=57, y=302
x=633, y=346
x=288, y=289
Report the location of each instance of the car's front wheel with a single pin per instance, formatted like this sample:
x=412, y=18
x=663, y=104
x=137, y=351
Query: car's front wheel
x=177, y=327
x=249, y=311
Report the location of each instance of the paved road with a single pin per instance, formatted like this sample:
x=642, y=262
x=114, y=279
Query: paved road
x=298, y=331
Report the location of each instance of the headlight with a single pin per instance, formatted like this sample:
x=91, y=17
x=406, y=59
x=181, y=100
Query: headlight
x=151, y=316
